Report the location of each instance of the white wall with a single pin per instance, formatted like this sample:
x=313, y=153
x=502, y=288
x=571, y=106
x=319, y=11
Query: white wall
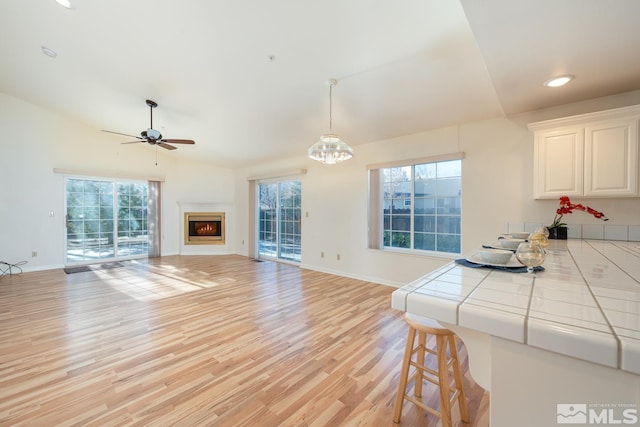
x=34, y=141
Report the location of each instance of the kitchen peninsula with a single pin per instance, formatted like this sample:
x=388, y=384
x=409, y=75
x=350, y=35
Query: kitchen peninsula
x=547, y=342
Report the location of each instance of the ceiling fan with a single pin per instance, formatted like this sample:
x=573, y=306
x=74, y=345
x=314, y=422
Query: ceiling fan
x=152, y=136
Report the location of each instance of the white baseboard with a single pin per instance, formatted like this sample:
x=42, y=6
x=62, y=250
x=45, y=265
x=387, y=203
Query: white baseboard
x=375, y=280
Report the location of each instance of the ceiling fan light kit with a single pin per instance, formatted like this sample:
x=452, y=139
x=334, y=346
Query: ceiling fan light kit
x=330, y=149
x=152, y=136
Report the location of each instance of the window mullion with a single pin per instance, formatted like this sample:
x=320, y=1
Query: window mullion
x=412, y=209
x=115, y=216
x=278, y=222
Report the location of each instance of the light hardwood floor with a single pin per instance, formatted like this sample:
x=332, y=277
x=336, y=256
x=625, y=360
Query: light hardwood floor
x=204, y=341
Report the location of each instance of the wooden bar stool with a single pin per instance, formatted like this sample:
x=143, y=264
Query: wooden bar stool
x=444, y=338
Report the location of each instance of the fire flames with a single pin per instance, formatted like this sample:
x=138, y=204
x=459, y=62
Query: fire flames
x=206, y=229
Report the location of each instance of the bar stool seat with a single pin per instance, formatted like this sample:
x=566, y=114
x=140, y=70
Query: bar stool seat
x=423, y=326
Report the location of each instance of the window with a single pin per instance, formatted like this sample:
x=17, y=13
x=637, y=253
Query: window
x=106, y=220
x=280, y=220
x=419, y=205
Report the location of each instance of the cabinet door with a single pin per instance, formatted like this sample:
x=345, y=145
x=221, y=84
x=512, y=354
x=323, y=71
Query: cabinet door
x=611, y=158
x=558, y=163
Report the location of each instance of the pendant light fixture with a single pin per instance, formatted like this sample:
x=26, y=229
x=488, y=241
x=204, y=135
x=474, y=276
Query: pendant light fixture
x=330, y=149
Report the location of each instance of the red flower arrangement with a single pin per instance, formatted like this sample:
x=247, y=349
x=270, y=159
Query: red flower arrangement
x=566, y=207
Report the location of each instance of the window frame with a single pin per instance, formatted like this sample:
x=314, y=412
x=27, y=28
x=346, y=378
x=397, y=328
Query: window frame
x=282, y=222
x=376, y=214
x=115, y=221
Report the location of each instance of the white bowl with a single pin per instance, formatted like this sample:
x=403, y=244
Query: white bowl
x=520, y=234
x=496, y=256
x=510, y=243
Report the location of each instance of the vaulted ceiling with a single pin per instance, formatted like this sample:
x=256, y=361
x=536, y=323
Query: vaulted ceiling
x=247, y=79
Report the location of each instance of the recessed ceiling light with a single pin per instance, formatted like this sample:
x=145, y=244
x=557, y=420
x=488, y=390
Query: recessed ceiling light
x=49, y=52
x=559, y=81
x=64, y=3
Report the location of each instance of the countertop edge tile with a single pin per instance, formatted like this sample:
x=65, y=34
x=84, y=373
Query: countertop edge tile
x=585, y=344
x=441, y=309
x=578, y=323
x=399, y=299
x=494, y=322
x=630, y=355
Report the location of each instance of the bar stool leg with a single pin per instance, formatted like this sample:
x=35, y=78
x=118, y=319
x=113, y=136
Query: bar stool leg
x=404, y=375
x=443, y=379
x=422, y=344
x=457, y=374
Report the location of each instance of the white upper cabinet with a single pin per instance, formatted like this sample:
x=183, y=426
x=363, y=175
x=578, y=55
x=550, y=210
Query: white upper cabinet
x=590, y=155
x=558, y=163
x=611, y=158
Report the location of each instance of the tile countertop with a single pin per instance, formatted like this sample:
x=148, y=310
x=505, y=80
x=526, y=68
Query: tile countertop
x=586, y=304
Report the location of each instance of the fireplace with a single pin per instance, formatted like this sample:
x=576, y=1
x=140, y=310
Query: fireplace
x=204, y=228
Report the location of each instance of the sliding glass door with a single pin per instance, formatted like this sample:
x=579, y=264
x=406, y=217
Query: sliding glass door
x=279, y=213
x=105, y=220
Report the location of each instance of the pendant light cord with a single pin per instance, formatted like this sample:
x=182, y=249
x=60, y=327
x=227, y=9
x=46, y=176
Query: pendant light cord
x=330, y=107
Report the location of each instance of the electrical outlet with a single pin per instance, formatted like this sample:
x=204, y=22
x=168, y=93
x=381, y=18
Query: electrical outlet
x=321, y=254
x=34, y=254
x=338, y=257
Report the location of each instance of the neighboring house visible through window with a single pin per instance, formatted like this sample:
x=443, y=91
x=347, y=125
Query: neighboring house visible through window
x=417, y=205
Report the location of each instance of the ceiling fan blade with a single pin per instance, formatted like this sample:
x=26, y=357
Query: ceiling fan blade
x=123, y=134
x=152, y=136
x=167, y=146
x=178, y=141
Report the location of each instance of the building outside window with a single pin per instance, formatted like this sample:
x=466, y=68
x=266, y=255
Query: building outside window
x=421, y=206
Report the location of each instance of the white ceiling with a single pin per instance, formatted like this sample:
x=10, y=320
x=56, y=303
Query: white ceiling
x=247, y=79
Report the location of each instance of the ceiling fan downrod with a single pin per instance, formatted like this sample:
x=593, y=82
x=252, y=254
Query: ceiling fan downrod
x=152, y=105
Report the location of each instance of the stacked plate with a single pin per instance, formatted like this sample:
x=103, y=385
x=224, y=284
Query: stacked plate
x=494, y=258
